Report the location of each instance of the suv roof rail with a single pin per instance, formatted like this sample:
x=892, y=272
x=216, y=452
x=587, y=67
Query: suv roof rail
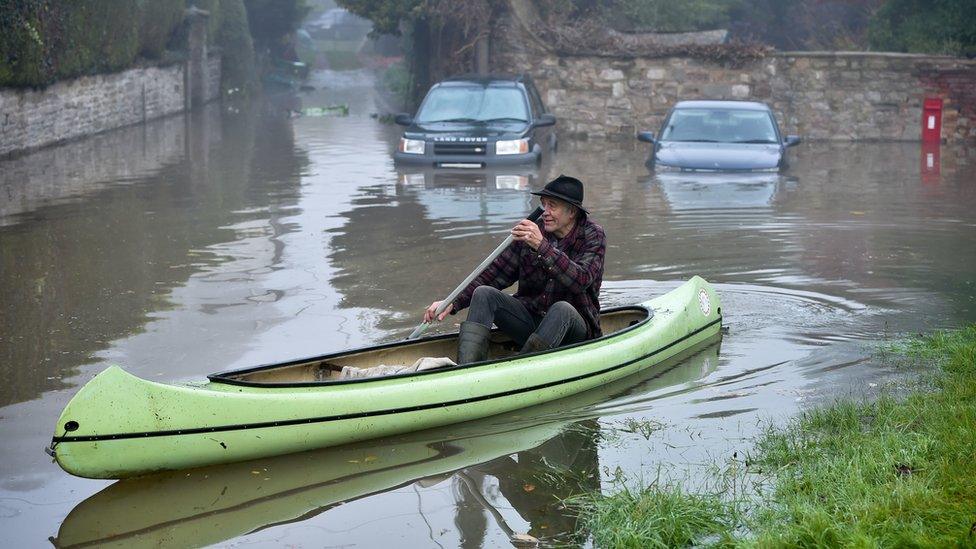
x=521, y=77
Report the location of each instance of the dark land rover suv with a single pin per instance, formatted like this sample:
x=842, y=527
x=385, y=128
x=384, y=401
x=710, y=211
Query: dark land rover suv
x=477, y=122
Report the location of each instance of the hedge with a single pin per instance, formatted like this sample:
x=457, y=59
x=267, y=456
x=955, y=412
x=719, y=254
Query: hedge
x=925, y=26
x=235, y=41
x=49, y=40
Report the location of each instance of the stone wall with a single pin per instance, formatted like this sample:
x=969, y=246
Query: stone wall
x=213, y=76
x=84, y=167
x=818, y=95
x=93, y=104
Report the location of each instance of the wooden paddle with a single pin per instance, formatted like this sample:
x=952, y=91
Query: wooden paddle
x=474, y=274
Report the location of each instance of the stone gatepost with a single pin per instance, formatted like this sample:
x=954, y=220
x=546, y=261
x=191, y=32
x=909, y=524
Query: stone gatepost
x=195, y=74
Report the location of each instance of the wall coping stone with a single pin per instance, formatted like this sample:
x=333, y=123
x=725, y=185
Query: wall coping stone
x=876, y=54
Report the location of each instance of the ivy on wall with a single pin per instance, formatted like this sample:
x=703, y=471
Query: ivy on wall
x=43, y=41
x=48, y=40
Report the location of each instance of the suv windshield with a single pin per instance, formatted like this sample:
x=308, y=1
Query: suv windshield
x=720, y=126
x=473, y=104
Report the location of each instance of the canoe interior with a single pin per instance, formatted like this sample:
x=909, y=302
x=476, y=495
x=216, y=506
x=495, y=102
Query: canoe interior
x=328, y=368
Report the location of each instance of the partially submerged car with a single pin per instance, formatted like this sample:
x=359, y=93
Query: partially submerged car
x=719, y=135
x=476, y=122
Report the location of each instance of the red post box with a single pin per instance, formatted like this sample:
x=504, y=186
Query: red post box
x=932, y=120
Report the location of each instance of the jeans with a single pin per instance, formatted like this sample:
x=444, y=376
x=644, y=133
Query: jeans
x=561, y=325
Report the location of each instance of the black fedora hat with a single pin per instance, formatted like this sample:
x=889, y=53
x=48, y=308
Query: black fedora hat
x=565, y=188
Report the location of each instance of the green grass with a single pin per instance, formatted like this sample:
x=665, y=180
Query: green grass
x=895, y=472
x=652, y=517
x=644, y=427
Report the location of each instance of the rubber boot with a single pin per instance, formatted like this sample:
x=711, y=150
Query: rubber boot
x=535, y=344
x=472, y=342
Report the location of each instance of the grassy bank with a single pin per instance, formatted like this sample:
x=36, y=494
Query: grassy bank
x=895, y=472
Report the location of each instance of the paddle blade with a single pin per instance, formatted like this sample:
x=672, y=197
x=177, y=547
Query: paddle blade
x=418, y=330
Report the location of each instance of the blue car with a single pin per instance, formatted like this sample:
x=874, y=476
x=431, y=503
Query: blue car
x=719, y=136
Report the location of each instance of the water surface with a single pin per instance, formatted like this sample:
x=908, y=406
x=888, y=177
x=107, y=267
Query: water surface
x=229, y=239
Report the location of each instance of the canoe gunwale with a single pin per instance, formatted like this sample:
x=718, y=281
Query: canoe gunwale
x=382, y=412
x=222, y=377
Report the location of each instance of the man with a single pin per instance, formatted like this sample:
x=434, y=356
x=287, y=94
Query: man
x=558, y=264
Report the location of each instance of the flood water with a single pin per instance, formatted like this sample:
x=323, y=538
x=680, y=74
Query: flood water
x=229, y=239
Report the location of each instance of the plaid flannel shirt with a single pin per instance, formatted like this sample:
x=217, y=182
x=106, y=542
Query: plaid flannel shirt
x=562, y=269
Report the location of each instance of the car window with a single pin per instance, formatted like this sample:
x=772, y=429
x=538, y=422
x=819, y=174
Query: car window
x=473, y=104
x=720, y=126
x=534, y=98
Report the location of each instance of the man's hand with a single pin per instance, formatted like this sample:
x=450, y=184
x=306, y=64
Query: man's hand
x=429, y=313
x=528, y=232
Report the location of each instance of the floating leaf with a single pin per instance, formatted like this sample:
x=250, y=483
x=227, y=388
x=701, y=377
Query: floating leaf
x=524, y=540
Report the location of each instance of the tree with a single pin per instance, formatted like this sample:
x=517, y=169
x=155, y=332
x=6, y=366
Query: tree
x=386, y=15
x=272, y=22
x=925, y=26
x=668, y=15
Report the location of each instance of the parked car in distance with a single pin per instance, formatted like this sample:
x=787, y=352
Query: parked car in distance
x=719, y=135
x=475, y=122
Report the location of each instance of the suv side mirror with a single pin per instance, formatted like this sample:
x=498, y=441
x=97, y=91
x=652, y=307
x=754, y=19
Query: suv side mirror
x=545, y=120
x=646, y=137
x=792, y=140
x=403, y=119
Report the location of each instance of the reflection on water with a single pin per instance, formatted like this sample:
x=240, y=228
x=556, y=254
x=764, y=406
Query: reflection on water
x=87, y=262
x=185, y=247
x=512, y=178
x=465, y=202
x=718, y=191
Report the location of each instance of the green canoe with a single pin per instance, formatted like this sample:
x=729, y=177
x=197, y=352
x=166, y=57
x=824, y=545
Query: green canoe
x=209, y=505
x=120, y=426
